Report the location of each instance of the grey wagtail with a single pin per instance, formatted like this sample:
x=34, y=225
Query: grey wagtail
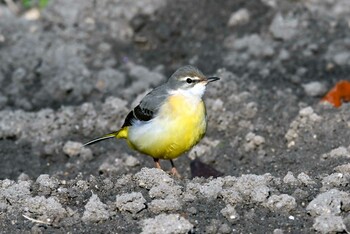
x=169, y=120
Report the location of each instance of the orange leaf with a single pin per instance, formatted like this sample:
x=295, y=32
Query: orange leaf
x=338, y=94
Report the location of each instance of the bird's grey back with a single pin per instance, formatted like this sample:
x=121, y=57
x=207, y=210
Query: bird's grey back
x=154, y=99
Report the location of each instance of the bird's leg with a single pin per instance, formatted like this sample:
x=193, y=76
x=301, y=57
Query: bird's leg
x=157, y=164
x=173, y=171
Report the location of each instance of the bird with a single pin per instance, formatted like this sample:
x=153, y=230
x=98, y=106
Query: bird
x=169, y=120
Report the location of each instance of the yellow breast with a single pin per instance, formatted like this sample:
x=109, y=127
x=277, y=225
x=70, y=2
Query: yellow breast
x=179, y=125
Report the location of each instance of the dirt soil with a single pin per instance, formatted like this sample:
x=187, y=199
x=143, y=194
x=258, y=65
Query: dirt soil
x=274, y=160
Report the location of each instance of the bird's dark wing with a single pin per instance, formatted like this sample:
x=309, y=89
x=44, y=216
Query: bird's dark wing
x=138, y=114
x=148, y=107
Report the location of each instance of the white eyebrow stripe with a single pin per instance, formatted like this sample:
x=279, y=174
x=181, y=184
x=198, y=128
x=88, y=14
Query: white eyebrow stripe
x=189, y=77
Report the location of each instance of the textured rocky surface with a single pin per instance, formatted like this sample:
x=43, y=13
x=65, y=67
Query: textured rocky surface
x=280, y=157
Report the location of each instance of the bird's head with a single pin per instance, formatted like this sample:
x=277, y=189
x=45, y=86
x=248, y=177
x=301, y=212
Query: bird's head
x=189, y=80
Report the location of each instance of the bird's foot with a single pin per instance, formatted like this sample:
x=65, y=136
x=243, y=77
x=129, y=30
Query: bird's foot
x=175, y=173
x=157, y=164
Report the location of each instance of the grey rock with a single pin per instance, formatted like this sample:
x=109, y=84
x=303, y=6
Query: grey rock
x=169, y=204
x=284, y=27
x=45, y=209
x=281, y=203
x=72, y=148
x=254, y=45
x=23, y=177
x=231, y=196
x=344, y=169
x=16, y=193
x=218, y=226
x=329, y=202
x=165, y=190
x=166, y=223
x=338, y=52
x=290, y=179
x=248, y=188
x=315, y=89
x=132, y=202
x=253, y=142
x=82, y=185
x=335, y=180
x=240, y=17
x=86, y=154
x=149, y=177
x=230, y=213
x=339, y=152
x=47, y=184
x=131, y=161
x=254, y=188
x=208, y=190
x=278, y=231
x=305, y=179
x=95, y=210
x=329, y=223
x=111, y=164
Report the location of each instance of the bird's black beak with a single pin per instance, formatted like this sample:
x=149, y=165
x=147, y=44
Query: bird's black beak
x=211, y=79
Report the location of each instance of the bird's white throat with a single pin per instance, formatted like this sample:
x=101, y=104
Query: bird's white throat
x=194, y=93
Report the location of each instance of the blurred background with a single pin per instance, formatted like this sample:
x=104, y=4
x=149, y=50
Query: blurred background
x=71, y=70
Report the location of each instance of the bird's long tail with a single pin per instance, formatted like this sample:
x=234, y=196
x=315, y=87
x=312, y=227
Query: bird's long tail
x=122, y=133
x=105, y=137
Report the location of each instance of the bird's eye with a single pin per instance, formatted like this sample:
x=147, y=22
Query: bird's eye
x=189, y=80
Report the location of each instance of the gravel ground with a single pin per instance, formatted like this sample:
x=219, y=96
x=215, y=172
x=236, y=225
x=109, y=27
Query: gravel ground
x=274, y=159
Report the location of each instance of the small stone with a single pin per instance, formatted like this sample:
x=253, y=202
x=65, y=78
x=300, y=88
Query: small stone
x=334, y=180
x=284, y=55
x=32, y=14
x=345, y=168
x=252, y=188
x=231, y=196
x=45, y=181
x=242, y=16
x=192, y=210
x=230, y=213
x=46, y=209
x=131, y=202
x=305, y=179
x=290, y=179
x=278, y=231
x=86, y=154
x=131, y=161
x=149, y=177
x=225, y=229
x=95, y=210
x=165, y=190
x=23, y=177
x=283, y=203
x=253, y=142
x=307, y=111
x=329, y=223
x=339, y=152
x=315, y=89
x=82, y=185
x=284, y=28
x=211, y=189
x=72, y=148
x=329, y=202
x=342, y=58
x=166, y=223
x=168, y=204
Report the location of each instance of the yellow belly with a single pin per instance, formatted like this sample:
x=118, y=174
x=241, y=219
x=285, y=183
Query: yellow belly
x=180, y=124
